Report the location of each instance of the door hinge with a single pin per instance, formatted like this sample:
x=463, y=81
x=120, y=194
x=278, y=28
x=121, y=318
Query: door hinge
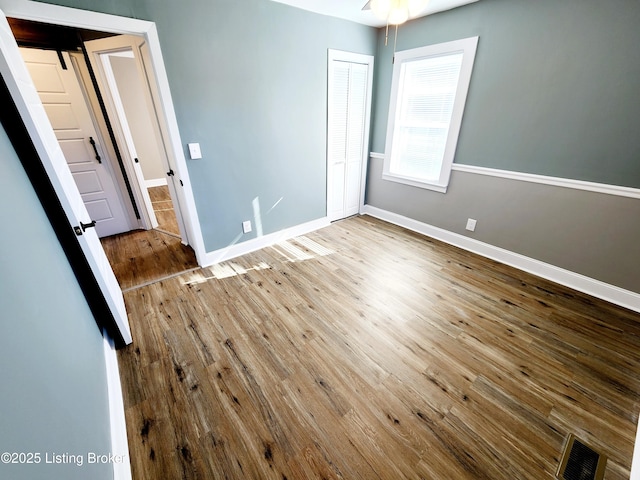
x=181, y=184
x=171, y=173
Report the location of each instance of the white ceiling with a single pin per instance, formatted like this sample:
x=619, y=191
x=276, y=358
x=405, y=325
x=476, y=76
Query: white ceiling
x=352, y=9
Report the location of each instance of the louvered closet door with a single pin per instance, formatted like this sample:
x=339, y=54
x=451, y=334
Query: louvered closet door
x=347, y=135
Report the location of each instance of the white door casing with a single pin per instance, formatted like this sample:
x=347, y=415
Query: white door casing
x=350, y=78
x=20, y=85
x=66, y=106
x=23, y=91
x=99, y=52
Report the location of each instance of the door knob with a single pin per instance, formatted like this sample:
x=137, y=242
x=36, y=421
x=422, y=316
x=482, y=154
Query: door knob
x=83, y=227
x=87, y=225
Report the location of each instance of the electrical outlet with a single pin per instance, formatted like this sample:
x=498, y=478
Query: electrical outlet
x=471, y=224
x=246, y=226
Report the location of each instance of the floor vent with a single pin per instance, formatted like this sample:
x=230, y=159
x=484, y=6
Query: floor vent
x=581, y=462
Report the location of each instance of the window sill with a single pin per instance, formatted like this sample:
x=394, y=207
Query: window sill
x=415, y=183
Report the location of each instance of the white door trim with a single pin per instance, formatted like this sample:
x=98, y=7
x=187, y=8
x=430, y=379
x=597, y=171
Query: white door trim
x=117, y=420
x=27, y=101
x=11, y=65
x=339, y=55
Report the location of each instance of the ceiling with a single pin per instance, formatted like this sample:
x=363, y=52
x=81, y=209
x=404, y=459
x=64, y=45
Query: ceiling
x=352, y=9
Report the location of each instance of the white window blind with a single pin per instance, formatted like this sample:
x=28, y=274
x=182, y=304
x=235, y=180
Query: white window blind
x=429, y=90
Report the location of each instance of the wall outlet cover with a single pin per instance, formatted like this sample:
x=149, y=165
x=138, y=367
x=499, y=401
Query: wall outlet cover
x=471, y=224
x=246, y=226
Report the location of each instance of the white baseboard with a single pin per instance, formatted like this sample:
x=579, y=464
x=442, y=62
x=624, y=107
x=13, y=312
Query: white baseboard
x=590, y=286
x=119, y=444
x=155, y=182
x=635, y=462
x=249, y=246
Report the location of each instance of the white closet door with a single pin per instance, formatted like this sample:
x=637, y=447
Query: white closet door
x=349, y=106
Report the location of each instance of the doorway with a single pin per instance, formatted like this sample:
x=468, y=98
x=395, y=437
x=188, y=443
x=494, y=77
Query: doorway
x=125, y=151
x=118, y=94
x=119, y=63
x=75, y=126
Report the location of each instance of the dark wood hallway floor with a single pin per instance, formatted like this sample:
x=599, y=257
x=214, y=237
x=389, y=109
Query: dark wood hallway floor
x=143, y=256
x=365, y=351
x=163, y=208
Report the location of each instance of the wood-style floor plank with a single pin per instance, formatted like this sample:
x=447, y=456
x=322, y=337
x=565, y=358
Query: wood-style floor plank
x=143, y=256
x=163, y=208
x=365, y=351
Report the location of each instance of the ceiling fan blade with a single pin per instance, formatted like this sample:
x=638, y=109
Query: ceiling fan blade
x=367, y=6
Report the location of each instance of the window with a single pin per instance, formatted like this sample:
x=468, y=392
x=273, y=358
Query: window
x=428, y=93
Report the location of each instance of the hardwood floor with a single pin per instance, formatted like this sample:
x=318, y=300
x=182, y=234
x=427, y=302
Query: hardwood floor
x=163, y=208
x=144, y=256
x=140, y=257
x=364, y=351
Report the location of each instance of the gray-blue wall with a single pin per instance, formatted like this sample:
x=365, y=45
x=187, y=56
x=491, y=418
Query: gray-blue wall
x=249, y=83
x=554, y=89
x=53, y=391
x=248, y=80
x=553, y=92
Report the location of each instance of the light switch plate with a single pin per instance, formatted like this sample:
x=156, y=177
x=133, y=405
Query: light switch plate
x=194, y=151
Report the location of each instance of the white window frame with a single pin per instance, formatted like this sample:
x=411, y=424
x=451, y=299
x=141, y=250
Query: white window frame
x=467, y=47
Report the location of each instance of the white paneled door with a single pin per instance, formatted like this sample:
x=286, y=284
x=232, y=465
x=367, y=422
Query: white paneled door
x=349, y=108
x=66, y=107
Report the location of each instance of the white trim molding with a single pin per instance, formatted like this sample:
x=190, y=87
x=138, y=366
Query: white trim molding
x=554, y=181
x=430, y=63
x=542, y=179
x=155, y=182
x=635, y=462
x=117, y=420
x=590, y=286
x=237, y=249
